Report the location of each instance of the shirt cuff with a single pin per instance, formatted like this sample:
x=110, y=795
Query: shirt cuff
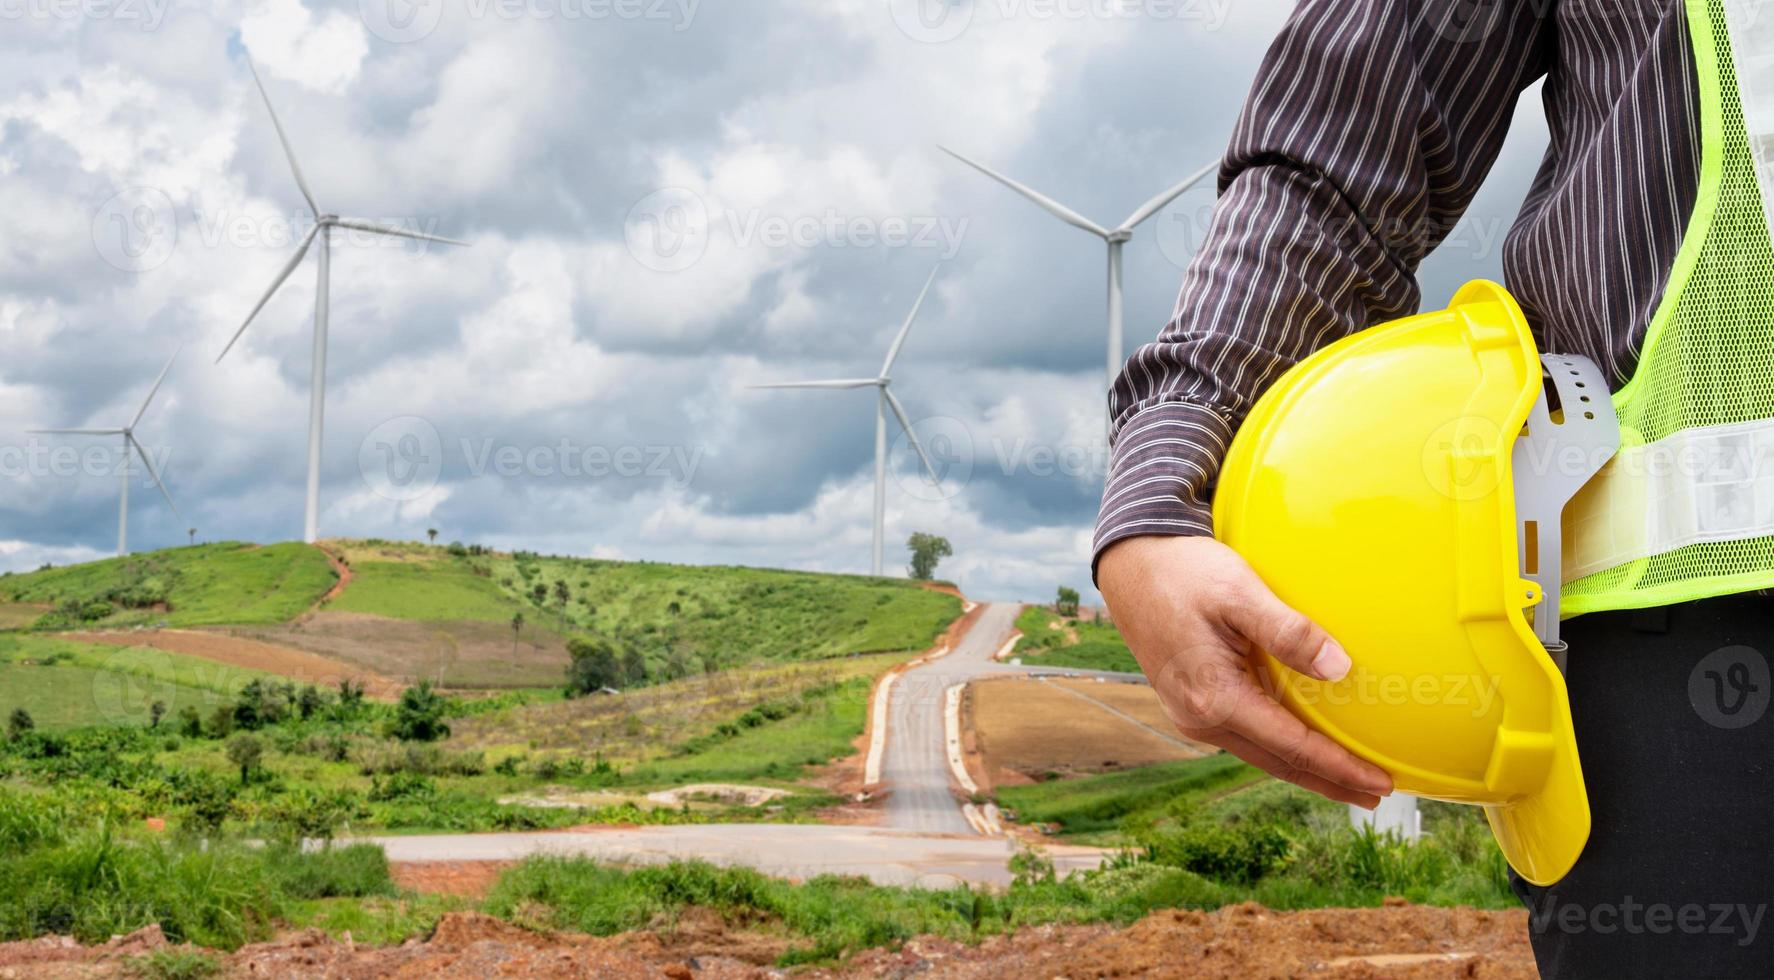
x=1165, y=458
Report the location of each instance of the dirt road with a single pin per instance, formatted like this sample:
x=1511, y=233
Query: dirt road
x=915, y=770
x=884, y=856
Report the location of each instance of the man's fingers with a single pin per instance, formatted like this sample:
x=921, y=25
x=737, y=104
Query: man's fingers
x=1269, y=726
x=1287, y=635
x=1265, y=760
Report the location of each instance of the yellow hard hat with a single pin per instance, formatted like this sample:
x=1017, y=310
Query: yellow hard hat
x=1375, y=488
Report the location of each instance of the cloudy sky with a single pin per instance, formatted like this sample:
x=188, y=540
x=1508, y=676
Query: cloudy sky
x=669, y=200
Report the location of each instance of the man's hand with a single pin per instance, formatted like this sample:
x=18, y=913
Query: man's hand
x=1192, y=610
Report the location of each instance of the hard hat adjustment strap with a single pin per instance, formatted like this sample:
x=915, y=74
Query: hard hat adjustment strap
x=1571, y=432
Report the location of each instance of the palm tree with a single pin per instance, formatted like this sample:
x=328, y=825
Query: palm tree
x=432, y=534
x=193, y=533
x=517, y=628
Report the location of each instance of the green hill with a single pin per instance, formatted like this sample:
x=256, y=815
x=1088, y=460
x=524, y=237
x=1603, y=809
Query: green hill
x=206, y=585
x=413, y=611
x=697, y=616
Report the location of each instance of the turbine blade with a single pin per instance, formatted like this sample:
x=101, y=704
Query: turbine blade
x=149, y=464
x=74, y=432
x=288, y=152
x=899, y=341
x=156, y=389
x=282, y=277
x=1052, y=206
x=380, y=229
x=1158, y=203
x=851, y=383
x=911, y=435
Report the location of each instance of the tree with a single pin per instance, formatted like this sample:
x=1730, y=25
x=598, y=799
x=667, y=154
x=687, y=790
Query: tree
x=419, y=716
x=221, y=722
x=156, y=711
x=190, y=722
x=928, y=550
x=309, y=702
x=517, y=629
x=246, y=752
x=563, y=594
x=431, y=532
x=350, y=697
x=18, y=724
x=539, y=593
x=594, y=667
x=193, y=532
x=1067, y=605
x=634, y=668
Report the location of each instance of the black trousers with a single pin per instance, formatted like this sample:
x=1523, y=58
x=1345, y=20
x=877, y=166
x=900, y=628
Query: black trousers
x=1677, y=743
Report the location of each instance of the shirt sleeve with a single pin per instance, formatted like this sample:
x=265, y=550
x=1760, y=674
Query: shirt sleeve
x=1365, y=137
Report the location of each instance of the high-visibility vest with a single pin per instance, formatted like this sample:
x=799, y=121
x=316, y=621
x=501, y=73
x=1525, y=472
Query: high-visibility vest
x=1685, y=510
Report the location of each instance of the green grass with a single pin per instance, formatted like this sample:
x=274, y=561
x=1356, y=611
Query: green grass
x=821, y=729
x=1097, y=804
x=227, y=583
x=681, y=617
x=434, y=590
x=1072, y=643
x=64, y=684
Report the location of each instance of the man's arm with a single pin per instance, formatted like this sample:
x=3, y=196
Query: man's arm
x=1370, y=127
x=1365, y=137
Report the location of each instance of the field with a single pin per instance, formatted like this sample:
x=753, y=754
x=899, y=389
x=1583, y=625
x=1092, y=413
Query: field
x=227, y=583
x=1059, y=641
x=66, y=684
x=1029, y=729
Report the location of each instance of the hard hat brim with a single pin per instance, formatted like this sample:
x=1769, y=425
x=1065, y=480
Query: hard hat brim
x=1543, y=835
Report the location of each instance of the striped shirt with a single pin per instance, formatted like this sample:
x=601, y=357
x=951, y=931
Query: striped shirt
x=1366, y=135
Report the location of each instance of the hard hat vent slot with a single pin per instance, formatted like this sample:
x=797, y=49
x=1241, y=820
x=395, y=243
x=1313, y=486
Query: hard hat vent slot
x=1558, y=453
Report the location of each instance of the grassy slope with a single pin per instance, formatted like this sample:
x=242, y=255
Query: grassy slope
x=1098, y=804
x=720, y=614
x=205, y=585
x=69, y=685
x=1098, y=646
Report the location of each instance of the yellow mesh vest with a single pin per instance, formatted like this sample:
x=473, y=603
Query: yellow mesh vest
x=1708, y=358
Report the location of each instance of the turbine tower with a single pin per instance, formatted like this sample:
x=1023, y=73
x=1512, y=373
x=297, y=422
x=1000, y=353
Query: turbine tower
x=1116, y=238
x=320, y=238
x=885, y=401
x=129, y=445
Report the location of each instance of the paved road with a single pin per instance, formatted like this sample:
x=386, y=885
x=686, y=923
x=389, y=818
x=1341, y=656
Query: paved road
x=886, y=857
x=915, y=767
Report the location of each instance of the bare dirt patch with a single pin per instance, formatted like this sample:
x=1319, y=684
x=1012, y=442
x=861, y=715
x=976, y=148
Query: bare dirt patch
x=1023, y=729
x=464, y=879
x=235, y=651
x=1398, y=942
x=456, y=654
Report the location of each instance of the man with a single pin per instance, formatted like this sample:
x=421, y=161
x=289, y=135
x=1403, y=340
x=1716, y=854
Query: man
x=1368, y=131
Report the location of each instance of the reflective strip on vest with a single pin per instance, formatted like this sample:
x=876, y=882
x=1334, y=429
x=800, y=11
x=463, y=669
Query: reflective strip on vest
x=1686, y=509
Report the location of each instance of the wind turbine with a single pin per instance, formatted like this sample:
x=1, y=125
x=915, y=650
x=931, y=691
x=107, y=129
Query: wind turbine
x=129, y=444
x=1116, y=238
x=319, y=237
x=885, y=401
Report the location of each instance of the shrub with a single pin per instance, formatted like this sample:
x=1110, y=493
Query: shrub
x=1241, y=853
